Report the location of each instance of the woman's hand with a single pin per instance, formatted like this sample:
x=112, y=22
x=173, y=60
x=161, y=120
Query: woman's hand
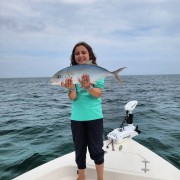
x=72, y=88
x=85, y=81
x=86, y=84
x=68, y=84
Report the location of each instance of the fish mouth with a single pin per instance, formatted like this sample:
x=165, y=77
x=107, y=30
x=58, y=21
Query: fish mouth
x=54, y=81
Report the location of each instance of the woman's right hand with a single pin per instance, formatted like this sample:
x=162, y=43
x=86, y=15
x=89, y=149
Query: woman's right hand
x=68, y=84
x=71, y=87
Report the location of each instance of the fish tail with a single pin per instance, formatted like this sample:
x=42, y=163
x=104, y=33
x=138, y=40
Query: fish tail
x=116, y=74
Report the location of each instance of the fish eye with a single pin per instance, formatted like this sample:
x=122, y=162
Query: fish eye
x=58, y=76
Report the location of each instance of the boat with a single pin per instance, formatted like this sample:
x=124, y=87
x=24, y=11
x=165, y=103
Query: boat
x=125, y=159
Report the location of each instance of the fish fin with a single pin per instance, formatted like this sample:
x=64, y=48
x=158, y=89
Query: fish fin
x=116, y=74
x=93, y=82
x=89, y=62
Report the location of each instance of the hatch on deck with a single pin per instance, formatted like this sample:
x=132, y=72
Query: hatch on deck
x=124, y=161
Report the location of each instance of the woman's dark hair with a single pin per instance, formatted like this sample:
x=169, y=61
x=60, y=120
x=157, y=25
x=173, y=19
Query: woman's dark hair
x=91, y=53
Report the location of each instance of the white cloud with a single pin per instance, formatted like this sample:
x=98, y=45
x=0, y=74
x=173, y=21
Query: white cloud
x=78, y=1
x=130, y=31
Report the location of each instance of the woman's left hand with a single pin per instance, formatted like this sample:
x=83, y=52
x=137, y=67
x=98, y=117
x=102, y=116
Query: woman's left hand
x=86, y=84
x=85, y=81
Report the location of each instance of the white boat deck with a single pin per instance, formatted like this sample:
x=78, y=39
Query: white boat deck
x=129, y=161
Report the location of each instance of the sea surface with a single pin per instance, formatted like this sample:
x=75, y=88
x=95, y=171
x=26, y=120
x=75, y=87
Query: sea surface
x=35, y=125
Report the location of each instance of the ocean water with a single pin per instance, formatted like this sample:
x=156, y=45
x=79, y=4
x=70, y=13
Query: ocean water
x=35, y=125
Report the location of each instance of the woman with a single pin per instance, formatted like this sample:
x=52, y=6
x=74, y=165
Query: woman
x=86, y=116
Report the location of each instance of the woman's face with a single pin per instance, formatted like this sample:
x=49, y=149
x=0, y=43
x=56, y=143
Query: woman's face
x=81, y=55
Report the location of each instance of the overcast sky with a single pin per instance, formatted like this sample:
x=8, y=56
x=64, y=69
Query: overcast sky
x=37, y=36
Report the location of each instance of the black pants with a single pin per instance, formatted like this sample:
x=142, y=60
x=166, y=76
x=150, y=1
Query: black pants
x=88, y=134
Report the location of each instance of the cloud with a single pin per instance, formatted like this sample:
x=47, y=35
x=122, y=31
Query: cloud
x=79, y=2
x=128, y=31
x=15, y=24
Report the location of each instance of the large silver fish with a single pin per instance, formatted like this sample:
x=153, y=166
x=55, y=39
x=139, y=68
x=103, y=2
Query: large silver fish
x=75, y=72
